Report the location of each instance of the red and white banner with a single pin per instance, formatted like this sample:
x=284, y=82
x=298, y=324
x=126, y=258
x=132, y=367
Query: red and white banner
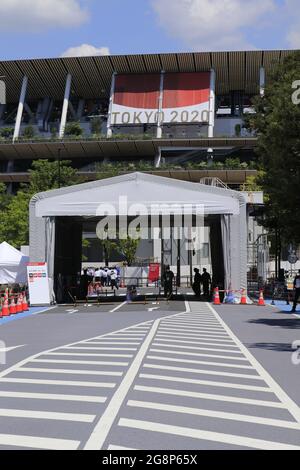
x=167, y=98
x=154, y=269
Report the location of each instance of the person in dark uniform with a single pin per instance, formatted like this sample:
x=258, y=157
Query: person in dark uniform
x=206, y=282
x=84, y=284
x=168, y=277
x=197, y=282
x=297, y=291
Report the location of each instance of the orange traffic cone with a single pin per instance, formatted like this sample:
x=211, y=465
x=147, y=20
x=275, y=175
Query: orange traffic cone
x=261, y=300
x=12, y=307
x=5, y=309
x=25, y=303
x=217, y=297
x=244, y=297
x=19, y=305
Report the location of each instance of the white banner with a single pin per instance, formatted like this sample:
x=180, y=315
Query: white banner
x=38, y=284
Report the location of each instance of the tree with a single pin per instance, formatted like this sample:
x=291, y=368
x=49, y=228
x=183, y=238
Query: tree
x=277, y=123
x=46, y=175
x=14, y=220
x=4, y=198
x=127, y=247
x=14, y=226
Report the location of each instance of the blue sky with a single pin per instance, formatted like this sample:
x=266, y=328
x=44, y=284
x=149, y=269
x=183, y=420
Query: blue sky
x=51, y=28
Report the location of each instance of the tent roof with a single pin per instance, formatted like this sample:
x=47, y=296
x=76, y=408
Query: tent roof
x=10, y=256
x=102, y=197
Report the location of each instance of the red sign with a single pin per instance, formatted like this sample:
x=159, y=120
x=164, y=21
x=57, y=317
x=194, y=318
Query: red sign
x=165, y=98
x=154, y=272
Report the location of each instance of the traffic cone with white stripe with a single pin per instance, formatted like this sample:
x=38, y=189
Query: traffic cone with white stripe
x=261, y=300
x=12, y=307
x=244, y=297
x=25, y=303
x=19, y=305
x=217, y=297
x=5, y=308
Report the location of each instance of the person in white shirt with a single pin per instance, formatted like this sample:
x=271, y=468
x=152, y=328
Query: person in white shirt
x=104, y=277
x=297, y=291
x=113, y=279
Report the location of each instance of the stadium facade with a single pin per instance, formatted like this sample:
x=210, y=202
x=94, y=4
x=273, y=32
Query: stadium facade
x=176, y=113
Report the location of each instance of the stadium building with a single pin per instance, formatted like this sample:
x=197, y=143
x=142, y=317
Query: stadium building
x=177, y=115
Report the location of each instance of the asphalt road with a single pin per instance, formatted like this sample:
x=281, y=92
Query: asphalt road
x=155, y=376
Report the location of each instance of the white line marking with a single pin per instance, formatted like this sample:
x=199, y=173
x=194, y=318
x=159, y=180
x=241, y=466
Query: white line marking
x=70, y=371
x=100, y=433
x=58, y=382
x=210, y=396
x=53, y=396
x=185, y=353
x=206, y=435
x=34, y=356
x=83, y=354
x=169, y=378
x=203, y=371
x=72, y=311
x=117, y=307
x=207, y=363
x=164, y=339
x=113, y=447
x=31, y=414
x=200, y=337
x=279, y=392
x=62, y=361
x=191, y=323
x=193, y=332
x=231, y=351
x=127, y=333
x=11, y=348
x=215, y=414
x=192, y=328
x=113, y=343
x=35, y=442
x=98, y=348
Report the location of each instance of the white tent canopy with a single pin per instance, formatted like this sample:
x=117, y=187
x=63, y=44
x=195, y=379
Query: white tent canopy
x=91, y=199
x=13, y=265
x=143, y=192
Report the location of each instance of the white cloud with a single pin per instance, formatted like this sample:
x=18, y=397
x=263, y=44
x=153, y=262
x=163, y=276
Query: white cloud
x=85, y=50
x=212, y=24
x=40, y=15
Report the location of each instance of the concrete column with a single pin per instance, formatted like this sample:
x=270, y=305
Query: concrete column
x=65, y=106
x=262, y=81
x=160, y=105
x=212, y=99
x=158, y=158
x=111, y=102
x=20, y=108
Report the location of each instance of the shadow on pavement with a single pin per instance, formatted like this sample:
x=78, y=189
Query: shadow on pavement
x=290, y=323
x=280, y=347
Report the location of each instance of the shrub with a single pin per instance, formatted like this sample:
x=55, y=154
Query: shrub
x=28, y=132
x=73, y=128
